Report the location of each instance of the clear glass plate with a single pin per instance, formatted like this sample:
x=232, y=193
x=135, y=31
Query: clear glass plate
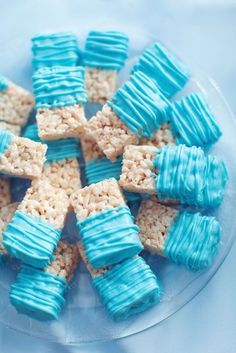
x=83, y=318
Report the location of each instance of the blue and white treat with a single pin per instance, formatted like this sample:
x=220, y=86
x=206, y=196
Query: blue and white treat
x=175, y=174
x=40, y=293
x=188, y=239
x=136, y=110
x=16, y=103
x=54, y=49
x=60, y=97
x=36, y=227
x=106, y=226
x=127, y=288
x=164, y=68
x=104, y=56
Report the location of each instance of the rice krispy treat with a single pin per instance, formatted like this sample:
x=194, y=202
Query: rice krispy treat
x=27, y=294
x=136, y=110
x=16, y=103
x=15, y=129
x=60, y=96
x=54, y=49
x=20, y=156
x=189, y=239
x=164, y=68
x=161, y=137
x=106, y=225
x=104, y=55
x=6, y=214
x=5, y=192
x=175, y=173
x=36, y=227
x=91, y=150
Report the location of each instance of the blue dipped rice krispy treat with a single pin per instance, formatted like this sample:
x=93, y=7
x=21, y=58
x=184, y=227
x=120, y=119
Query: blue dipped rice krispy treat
x=106, y=226
x=188, y=239
x=16, y=103
x=104, y=55
x=60, y=97
x=164, y=68
x=54, y=49
x=20, y=156
x=136, y=110
x=175, y=173
x=36, y=227
x=127, y=288
x=40, y=293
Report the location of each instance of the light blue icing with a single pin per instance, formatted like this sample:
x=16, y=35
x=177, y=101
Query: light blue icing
x=58, y=149
x=193, y=123
x=98, y=170
x=187, y=175
x=3, y=83
x=59, y=86
x=106, y=50
x=109, y=237
x=165, y=69
x=38, y=294
x=128, y=288
x=140, y=105
x=193, y=241
x=30, y=239
x=56, y=49
x=5, y=140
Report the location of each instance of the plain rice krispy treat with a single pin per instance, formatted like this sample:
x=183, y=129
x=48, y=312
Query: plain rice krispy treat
x=104, y=56
x=164, y=68
x=60, y=96
x=54, y=49
x=36, y=227
x=5, y=192
x=136, y=110
x=161, y=137
x=106, y=225
x=175, y=173
x=20, y=156
x=6, y=214
x=16, y=103
x=15, y=129
x=32, y=297
x=185, y=238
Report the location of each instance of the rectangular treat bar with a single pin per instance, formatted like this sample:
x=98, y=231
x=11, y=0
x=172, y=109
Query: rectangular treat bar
x=6, y=214
x=138, y=169
x=5, y=193
x=15, y=129
x=36, y=227
x=16, y=103
x=21, y=157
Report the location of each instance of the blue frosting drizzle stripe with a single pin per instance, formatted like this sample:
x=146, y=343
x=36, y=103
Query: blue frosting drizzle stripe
x=31, y=240
x=57, y=150
x=38, y=294
x=109, y=237
x=140, y=105
x=98, y=170
x=186, y=174
x=3, y=83
x=59, y=86
x=167, y=71
x=5, y=140
x=193, y=241
x=106, y=50
x=128, y=288
x=56, y=49
x=193, y=123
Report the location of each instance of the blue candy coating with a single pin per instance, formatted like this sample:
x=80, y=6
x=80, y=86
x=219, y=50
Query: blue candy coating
x=3, y=83
x=164, y=68
x=5, y=140
x=59, y=86
x=193, y=241
x=38, y=294
x=140, y=105
x=107, y=50
x=109, y=237
x=30, y=239
x=128, y=288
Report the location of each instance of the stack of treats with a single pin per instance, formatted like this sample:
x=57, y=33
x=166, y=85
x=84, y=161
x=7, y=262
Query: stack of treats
x=142, y=148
